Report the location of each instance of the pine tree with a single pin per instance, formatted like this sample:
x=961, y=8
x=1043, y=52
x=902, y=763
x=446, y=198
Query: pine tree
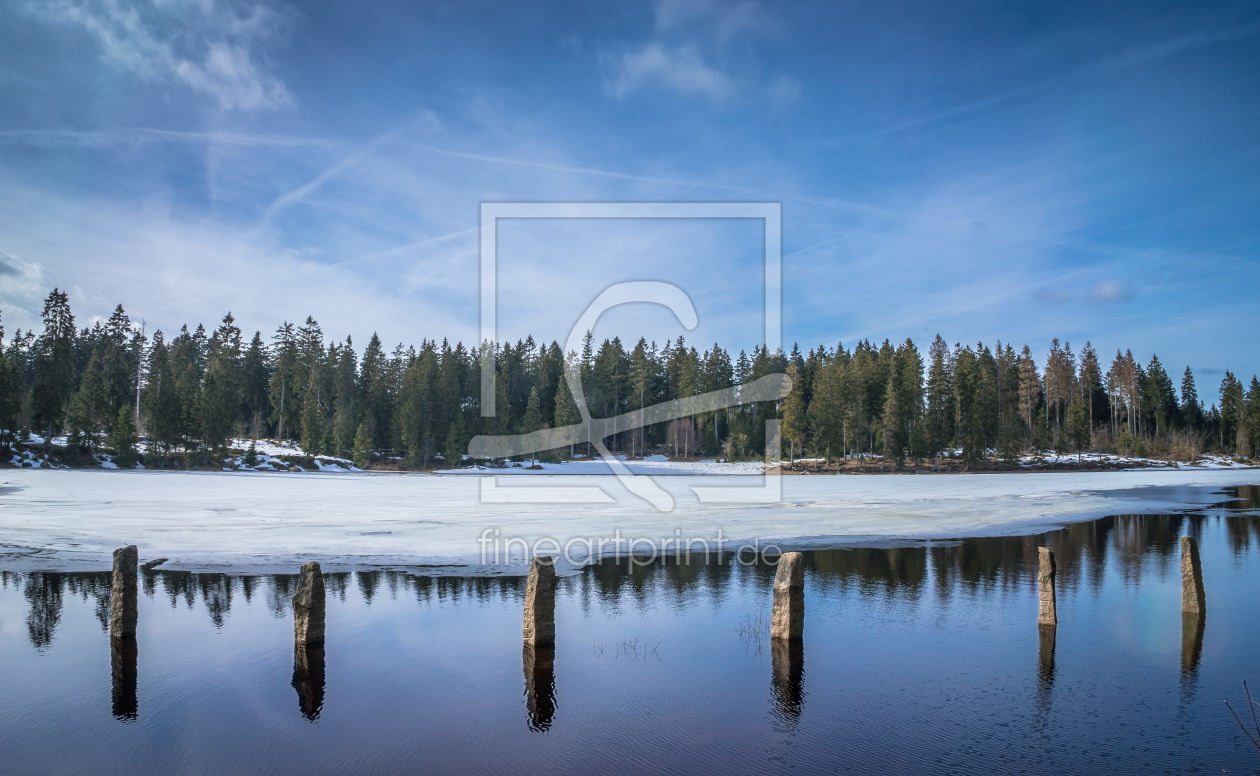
x=532, y=420
x=90, y=407
x=117, y=367
x=159, y=400
x=363, y=446
x=1231, y=410
x=567, y=413
x=256, y=374
x=285, y=378
x=312, y=420
x=345, y=406
x=123, y=437
x=10, y=402
x=1191, y=407
x=1252, y=418
x=940, y=398
x=1079, y=433
x=1029, y=391
x=794, y=411
x=221, y=390
x=54, y=368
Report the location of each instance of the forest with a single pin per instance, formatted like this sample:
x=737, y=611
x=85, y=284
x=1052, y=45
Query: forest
x=112, y=388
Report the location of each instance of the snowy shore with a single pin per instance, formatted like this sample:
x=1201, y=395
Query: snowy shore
x=259, y=522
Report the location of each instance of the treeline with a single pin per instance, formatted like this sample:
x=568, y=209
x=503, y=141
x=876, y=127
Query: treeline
x=113, y=387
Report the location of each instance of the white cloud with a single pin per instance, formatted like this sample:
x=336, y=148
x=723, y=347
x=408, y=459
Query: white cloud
x=217, y=48
x=21, y=288
x=696, y=48
x=683, y=70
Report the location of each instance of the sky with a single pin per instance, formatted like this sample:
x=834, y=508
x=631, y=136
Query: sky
x=981, y=170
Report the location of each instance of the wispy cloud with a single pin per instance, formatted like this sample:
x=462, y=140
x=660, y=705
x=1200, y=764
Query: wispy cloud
x=681, y=69
x=1110, y=291
x=687, y=53
x=217, y=48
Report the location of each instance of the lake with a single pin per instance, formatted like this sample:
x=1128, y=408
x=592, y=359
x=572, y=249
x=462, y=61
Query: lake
x=917, y=657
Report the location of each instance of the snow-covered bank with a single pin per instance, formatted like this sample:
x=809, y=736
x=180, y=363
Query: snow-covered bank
x=53, y=520
x=652, y=464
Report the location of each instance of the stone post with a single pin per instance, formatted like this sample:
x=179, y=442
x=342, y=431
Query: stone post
x=539, y=627
x=1192, y=599
x=308, y=607
x=1047, y=613
x=539, y=663
x=123, y=611
x=787, y=619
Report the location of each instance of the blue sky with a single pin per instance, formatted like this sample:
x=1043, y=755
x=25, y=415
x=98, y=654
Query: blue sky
x=985, y=170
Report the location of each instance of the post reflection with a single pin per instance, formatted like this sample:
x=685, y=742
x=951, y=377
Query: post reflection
x=539, y=663
x=123, y=658
x=787, y=668
x=308, y=679
x=1191, y=642
x=1045, y=656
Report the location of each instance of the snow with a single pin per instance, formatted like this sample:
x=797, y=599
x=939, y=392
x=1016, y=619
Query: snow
x=259, y=522
x=652, y=464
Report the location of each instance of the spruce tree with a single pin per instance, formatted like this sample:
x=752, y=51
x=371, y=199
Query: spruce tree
x=123, y=438
x=567, y=413
x=10, y=403
x=1231, y=410
x=221, y=390
x=1078, y=426
x=89, y=410
x=1191, y=407
x=794, y=412
x=532, y=420
x=159, y=400
x=363, y=446
x=256, y=374
x=1252, y=418
x=345, y=405
x=940, y=398
x=54, y=367
x=285, y=380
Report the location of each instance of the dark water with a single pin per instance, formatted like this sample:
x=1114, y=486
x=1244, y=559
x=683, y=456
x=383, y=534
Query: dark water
x=919, y=659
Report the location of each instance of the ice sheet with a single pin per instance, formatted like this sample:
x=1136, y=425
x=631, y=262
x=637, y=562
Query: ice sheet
x=245, y=521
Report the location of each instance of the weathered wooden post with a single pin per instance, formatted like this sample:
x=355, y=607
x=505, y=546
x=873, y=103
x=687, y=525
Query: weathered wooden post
x=539, y=627
x=1047, y=612
x=539, y=663
x=123, y=608
x=787, y=620
x=1192, y=598
x=308, y=607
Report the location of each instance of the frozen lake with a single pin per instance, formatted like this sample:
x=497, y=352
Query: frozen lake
x=255, y=522
x=917, y=659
